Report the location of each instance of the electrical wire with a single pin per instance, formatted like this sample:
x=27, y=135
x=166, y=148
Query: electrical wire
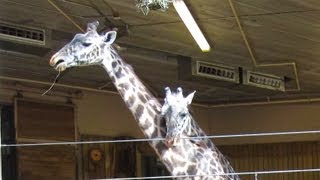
x=255, y=173
x=162, y=139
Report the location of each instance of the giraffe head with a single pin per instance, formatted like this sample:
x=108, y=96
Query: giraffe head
x=175, y=105
x=85, y=49
x=176, y=113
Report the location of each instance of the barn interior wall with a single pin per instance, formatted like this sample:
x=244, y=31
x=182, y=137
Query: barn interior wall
x=263, y=119
x=106, y=115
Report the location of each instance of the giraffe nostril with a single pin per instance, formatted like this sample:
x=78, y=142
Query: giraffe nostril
x=59, y=62
x=60, y=65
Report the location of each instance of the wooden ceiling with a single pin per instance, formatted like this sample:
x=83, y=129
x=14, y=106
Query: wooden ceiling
x=279, y=32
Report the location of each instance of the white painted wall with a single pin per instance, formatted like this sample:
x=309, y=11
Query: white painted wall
x=106, y=114
x=266, y=118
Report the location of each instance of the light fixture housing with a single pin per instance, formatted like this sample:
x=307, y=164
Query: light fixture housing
x=191, y=24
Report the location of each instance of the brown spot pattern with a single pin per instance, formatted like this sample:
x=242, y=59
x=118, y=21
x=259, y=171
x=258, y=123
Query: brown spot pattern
x=119, y=73
x=139, y=111
x=142, y=98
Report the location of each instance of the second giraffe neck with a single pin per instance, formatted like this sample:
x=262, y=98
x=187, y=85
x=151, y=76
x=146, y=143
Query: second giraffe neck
x=143, y=105
x=146, y=110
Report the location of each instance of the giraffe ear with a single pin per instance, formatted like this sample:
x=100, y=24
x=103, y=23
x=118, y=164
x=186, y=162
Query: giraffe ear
x=110, y=37
x=190, y=97
x=164, y=109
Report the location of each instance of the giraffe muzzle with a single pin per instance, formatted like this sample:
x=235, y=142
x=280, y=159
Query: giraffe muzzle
x=53, y=60
x=60, y=65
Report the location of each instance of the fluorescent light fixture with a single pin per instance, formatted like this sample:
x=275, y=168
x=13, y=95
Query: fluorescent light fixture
x=191, y=24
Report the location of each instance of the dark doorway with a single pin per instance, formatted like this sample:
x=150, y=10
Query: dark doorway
x=9, y=160
x=152, y=167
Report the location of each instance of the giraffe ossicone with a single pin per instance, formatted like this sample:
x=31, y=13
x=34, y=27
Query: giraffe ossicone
x=177, y=115
x=185, y=158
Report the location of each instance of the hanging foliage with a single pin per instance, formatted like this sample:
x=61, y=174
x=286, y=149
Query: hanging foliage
x=146, y=5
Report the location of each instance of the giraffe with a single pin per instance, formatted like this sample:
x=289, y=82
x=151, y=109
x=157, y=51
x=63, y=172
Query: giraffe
x=180, y=124
x=188, y=160
x=176, y=113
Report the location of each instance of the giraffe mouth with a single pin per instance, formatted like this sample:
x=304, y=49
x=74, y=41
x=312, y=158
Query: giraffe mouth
x=60, y=65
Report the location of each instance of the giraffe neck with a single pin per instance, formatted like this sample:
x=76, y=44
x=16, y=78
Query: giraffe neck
x=187, y=158
x=142, y=104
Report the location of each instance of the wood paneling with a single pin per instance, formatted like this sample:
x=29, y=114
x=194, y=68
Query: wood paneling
x=95, y=169
x=117, y=159
x=49, y=163
x=42, y=122
x=272, y=157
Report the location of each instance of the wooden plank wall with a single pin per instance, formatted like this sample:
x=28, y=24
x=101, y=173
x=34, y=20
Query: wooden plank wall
x=117, y=160
x=41, y=122
x=95, y=168
x=280, y=156
x=36, y=120
x=47, y=162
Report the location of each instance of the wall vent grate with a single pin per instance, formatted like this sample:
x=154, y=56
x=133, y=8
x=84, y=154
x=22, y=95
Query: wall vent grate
x=264, y=80
x=215, y=71
x=22, y=34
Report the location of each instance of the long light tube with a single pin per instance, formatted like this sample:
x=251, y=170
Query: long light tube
x=191, y=24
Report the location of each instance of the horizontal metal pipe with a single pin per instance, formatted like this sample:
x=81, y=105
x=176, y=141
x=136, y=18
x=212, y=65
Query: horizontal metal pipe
x=267, y=102
x=57, y=84
x=21, y=88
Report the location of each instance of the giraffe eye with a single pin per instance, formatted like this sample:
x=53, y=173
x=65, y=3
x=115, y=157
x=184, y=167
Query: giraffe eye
x=183, y=114
x=86, y=44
